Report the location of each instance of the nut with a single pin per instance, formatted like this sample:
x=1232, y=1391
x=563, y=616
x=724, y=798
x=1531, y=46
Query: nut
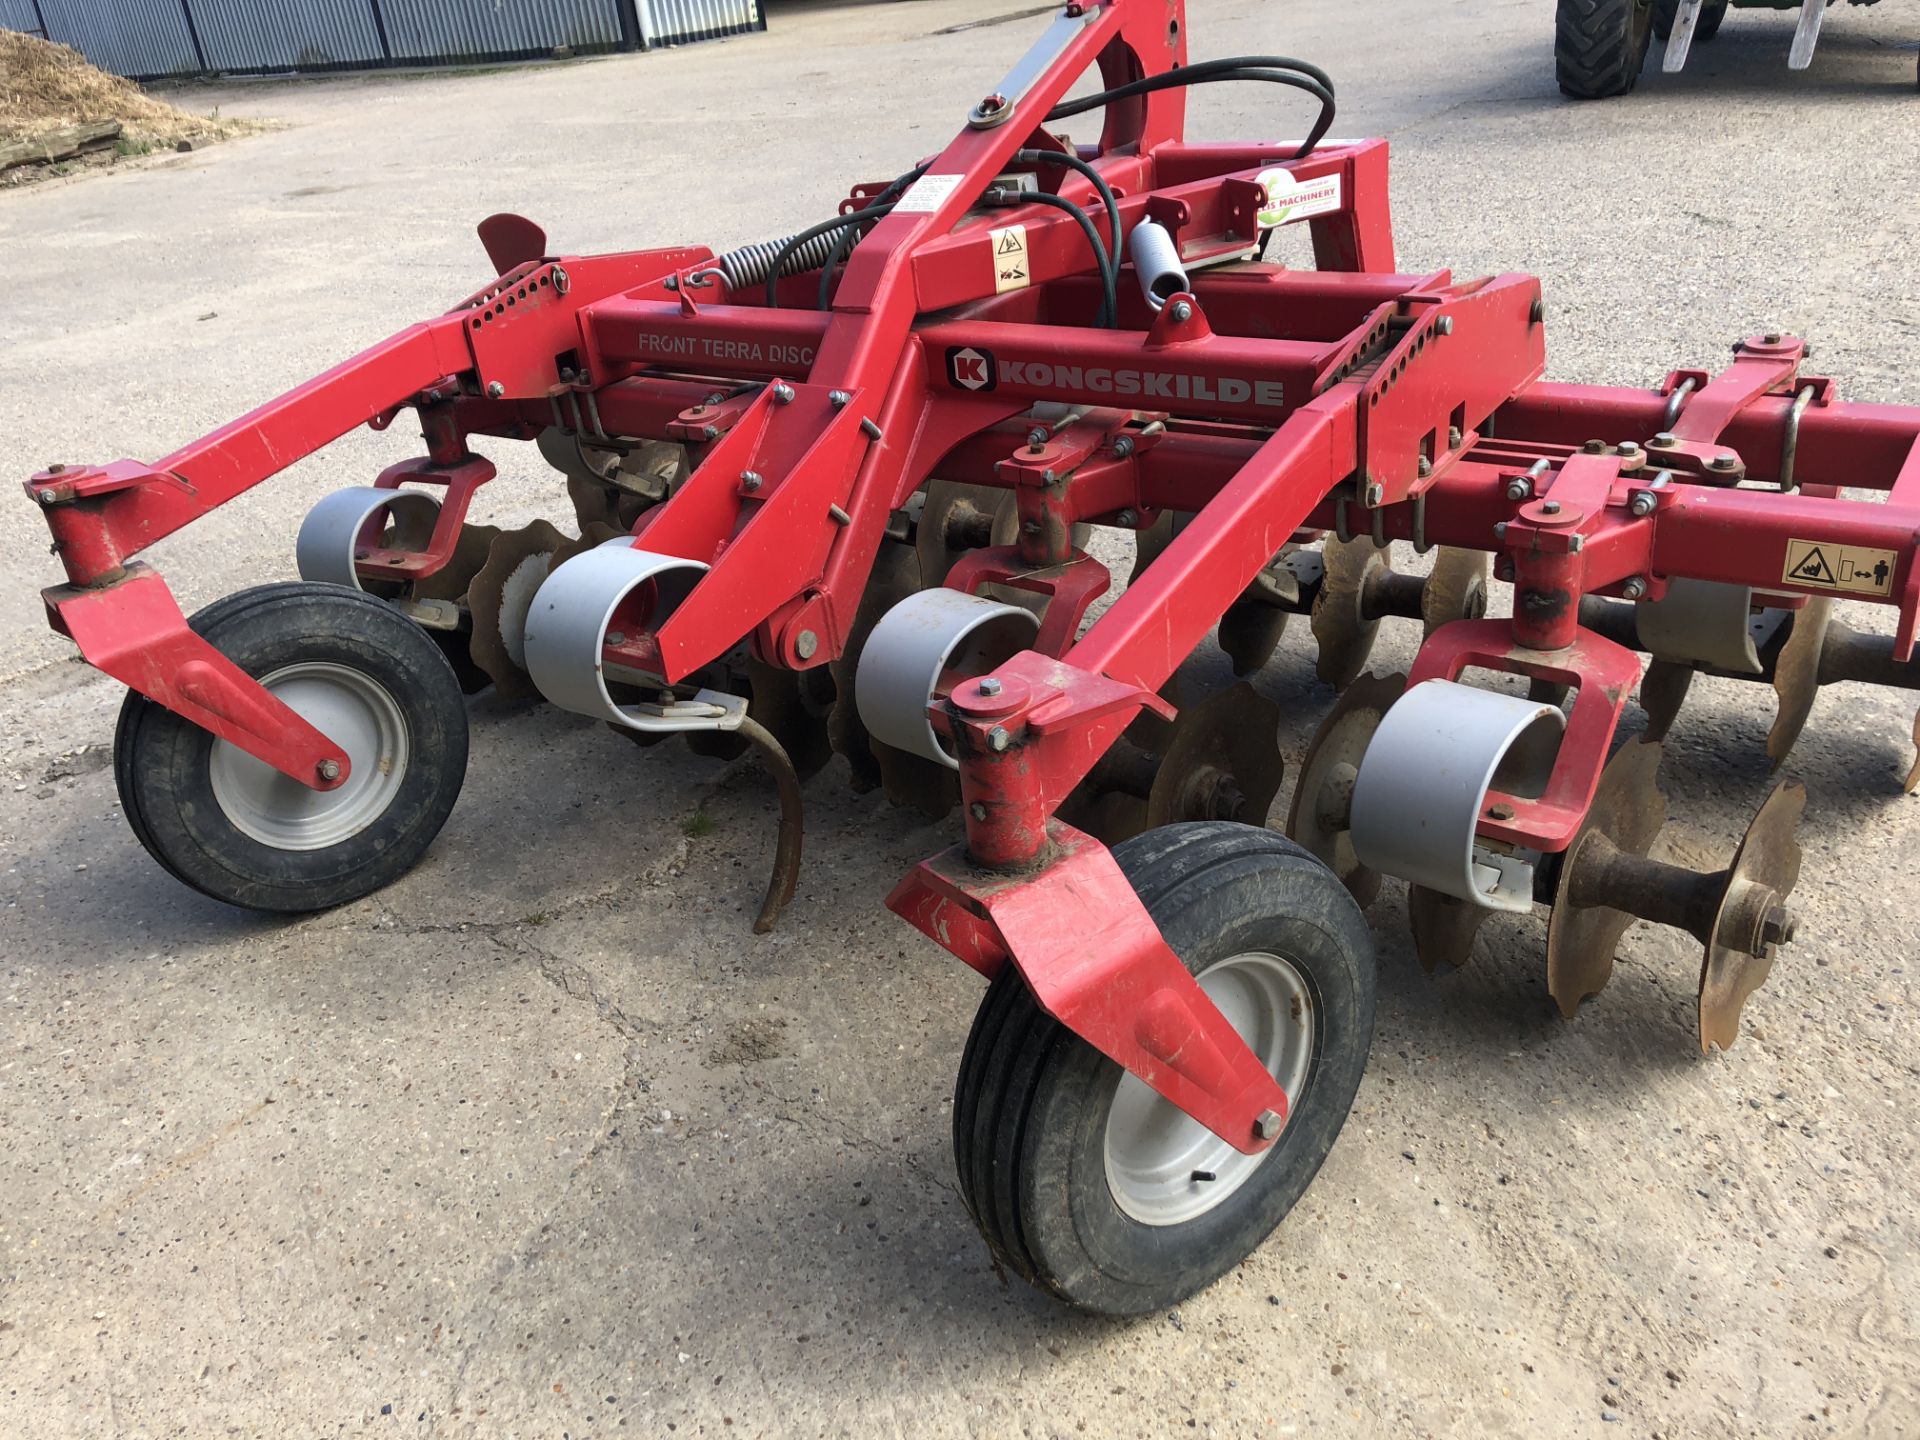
x=1634, y=588
x=1182, y=312
x=1519, y=488
x=1502, y=811
x=989, y=686
x=805, y=643
x=329, y=770
x=1642, y=503
x=495, y=389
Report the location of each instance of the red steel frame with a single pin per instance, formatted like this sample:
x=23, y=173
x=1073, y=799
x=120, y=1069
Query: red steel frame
x=1271, y=404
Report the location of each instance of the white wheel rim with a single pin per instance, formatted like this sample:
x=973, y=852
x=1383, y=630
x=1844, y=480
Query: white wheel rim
x=355, y=712
x=1157, y=1155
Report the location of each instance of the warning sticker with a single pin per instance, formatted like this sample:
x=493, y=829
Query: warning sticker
x=1010, y=268
x=1289, y=199
x=929, y=193
x=1827, y=566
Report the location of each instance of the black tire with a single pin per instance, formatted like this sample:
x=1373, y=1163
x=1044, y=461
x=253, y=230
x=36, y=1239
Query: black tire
x=1600, y=45
x=1708, y=26
x=1032, y=1101
x=164, y=764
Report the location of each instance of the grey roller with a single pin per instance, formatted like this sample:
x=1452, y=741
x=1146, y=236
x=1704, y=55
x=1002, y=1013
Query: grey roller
x=329, y=535
x=914, y=644
x=1424, y=779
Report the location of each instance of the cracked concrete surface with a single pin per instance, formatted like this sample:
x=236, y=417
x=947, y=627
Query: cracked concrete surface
x=543, y=1141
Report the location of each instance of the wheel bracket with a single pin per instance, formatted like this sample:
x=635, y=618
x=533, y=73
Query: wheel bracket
x=1097, y=963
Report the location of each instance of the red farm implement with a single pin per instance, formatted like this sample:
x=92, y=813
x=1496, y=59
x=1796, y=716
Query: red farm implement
x=835, y=495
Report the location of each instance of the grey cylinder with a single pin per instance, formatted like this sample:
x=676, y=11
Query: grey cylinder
x=330, y=534
x=928, y=635
x=1156, y=261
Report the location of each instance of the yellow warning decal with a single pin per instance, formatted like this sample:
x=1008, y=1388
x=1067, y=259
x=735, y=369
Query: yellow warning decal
x=1010, y=268
x=1824, y=565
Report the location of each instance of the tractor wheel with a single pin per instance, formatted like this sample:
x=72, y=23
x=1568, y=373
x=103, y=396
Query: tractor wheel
x=1082, y=1178
x=1600, y=45
x=238, y=830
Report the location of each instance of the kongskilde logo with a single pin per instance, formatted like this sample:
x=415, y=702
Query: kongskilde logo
x=971, y=369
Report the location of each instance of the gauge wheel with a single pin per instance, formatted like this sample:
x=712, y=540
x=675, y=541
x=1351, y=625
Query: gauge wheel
x=1085, y=1181
x=1600, y=45
x=235, y=828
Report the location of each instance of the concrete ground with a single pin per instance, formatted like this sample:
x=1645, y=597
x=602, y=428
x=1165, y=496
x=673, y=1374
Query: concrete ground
x=541, y=1141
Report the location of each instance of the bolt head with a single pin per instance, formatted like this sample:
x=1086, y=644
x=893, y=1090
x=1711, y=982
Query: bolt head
x=1444, y=325
x=1627, y=449
x=1182, y=312
x=1268, y=1124
x=839, y=399
x=1424, y=466
x=495, y=389
x=805, y=644
x=751, y=479
x=1595, y=447
x=1549, y=507
x=329, y=770
x=998, y=738
x=1127, y=518
x=1038, y=437
x=1375, y=494
x=990, y=686
x=1500, y=530
x=977, y=810
x=782, y=393
x=1722, y=462
x=1664, y=439
x=1502, y=811
x=1772, y=337
x=672, y=282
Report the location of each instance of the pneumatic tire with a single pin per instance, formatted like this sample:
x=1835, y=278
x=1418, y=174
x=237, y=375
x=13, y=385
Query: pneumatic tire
x=231, y=827
x=1599, y=46
x=1083, y=1188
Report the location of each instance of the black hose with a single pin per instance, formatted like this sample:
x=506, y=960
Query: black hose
x=1109, y=267
x=1271, y=69
x=1081, y=167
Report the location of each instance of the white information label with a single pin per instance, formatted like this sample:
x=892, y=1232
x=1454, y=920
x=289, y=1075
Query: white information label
x=1290, y=199
x=929, y=193
x=1010, y=268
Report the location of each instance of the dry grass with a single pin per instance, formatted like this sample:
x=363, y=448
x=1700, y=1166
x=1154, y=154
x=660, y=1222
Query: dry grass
x=48, y=87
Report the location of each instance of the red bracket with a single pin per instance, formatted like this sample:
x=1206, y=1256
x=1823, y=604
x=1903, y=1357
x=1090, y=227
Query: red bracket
x=1098, y=964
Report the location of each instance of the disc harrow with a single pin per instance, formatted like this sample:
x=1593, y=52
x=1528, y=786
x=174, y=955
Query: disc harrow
x=841, y=494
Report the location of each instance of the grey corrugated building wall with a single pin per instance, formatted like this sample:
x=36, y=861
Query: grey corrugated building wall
x=152, y=39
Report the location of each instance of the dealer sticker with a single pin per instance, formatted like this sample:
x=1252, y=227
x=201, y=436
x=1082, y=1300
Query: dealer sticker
x=1823, y=565
x=1290, y=199
x=1010, y=268
x=929, y=193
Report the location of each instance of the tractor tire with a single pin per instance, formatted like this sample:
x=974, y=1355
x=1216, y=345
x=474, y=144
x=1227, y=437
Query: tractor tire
x=235, y=829
x=1600, y=45
x=1087, y=1183
x=1708, y=26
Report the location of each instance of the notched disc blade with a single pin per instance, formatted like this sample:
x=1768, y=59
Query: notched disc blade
x=1663, y=689
x=1627, y=814
x=1443, y=927
x=1768, y=861
x=1318, y=817
x=1456, y=589
x=1796, y=676
x=470, y=552
x=1250, y=632
x=917, y=784
x=1339, y=622
x=1913, y=771
x=499, y=597
x=1222, y=761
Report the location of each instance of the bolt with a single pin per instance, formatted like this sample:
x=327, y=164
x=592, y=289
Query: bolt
x=1772, y=338
x=1664, y=439
x=1576, y=543
x=998, y=738
x=1030, y=527
x=1375, y=494
x=1519, y=488
x=616, y=637
x=989, y=686
x=805, y=644
x=1549, y=507
x=1722, y=462
x=1595, y=447
x=710, y=432
x=495, y=389
x=1454, y=437
x=1444, y=325
x=977, y=810
x=1500, y=531
x=1502, y=811
x=869, y=429
x=1537, y=312
x=1038, y=437
x=715, y=398
x=1634, y=588
x=672, y=282
x=329, y=770
x=1642, y=503
x=751, y=480
x=1127, y=518
x=1777, y=928
x=1423, y=466
x=839, y=514
x=1182, y=312
x=1626, y=449
x=782, y=393
x=1123, y=447
x=839, y=399
x=1267, y=1125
